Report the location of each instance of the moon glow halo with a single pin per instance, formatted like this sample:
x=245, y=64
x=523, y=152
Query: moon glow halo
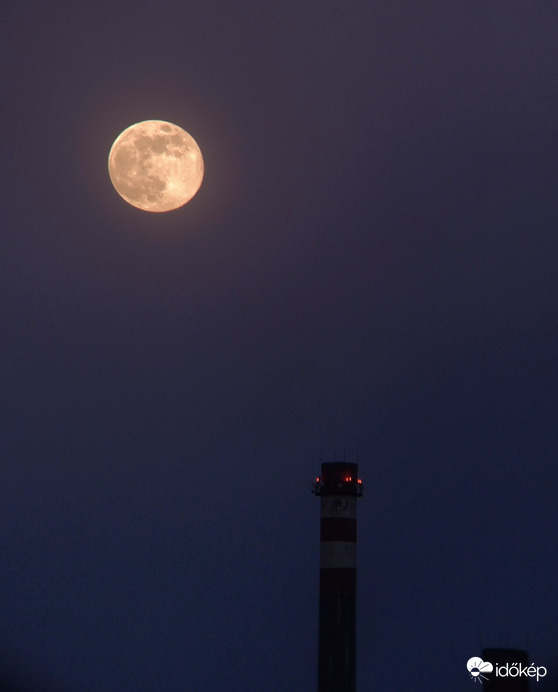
x=155, y=166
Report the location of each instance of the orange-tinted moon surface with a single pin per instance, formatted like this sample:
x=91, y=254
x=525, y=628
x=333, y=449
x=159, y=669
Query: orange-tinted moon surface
x=155, y=165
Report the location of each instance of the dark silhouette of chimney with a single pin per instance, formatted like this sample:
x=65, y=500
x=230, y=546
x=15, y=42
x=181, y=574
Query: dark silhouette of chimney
x=505, y=661
x=338, y=488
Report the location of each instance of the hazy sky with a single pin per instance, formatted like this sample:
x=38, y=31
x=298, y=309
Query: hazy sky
x=370, y=265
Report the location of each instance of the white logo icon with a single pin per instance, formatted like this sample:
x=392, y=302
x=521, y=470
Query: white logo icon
x=476, y=667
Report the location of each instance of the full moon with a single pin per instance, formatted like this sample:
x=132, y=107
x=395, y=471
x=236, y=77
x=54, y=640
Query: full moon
x=155, y=165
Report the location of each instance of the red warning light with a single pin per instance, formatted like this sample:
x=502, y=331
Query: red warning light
x=359, y=482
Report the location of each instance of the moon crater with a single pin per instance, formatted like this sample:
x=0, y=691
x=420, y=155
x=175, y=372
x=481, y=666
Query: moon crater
x=156, y=166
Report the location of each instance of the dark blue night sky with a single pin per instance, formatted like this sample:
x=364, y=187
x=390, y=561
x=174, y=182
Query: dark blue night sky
x=370, y=267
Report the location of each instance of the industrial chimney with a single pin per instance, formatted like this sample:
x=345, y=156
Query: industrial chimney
x=338, y=487
x=502, y=659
